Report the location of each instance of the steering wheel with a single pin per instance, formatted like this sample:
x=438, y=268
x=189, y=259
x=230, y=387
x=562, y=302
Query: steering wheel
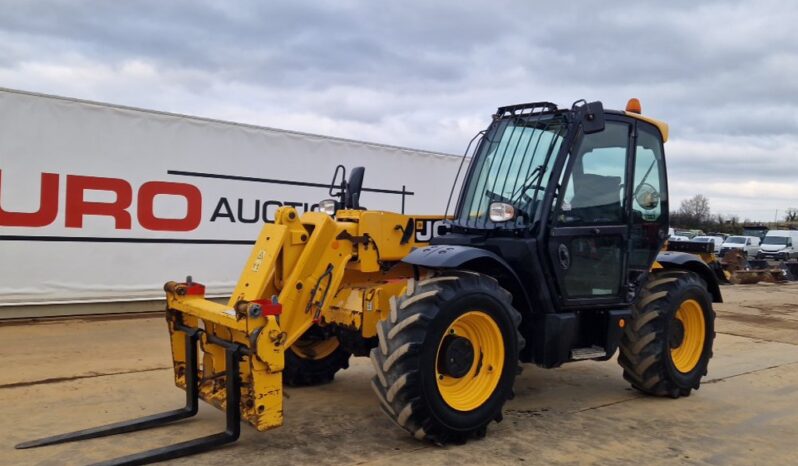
x=497, y=197
x=526, y=197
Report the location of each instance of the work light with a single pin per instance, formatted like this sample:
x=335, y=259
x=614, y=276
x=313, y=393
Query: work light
x=328, y=206
x=501, y=212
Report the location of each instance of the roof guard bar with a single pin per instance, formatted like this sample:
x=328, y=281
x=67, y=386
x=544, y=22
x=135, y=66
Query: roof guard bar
x=519, y=108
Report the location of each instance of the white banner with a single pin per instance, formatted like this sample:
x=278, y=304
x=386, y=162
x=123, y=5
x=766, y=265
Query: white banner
x=99, y=202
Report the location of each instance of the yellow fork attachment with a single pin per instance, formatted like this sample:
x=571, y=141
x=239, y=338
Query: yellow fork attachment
x=291, y=270
x=292, y=279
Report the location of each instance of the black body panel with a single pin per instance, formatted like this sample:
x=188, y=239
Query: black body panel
x=515, y=263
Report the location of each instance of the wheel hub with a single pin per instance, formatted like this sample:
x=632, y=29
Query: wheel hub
x=456, y=356
x=687, y=336
x=677, y=334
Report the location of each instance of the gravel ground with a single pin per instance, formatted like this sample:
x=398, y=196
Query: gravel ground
x=66, y=375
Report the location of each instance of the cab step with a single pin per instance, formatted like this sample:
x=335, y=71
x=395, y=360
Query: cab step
x=589, y=352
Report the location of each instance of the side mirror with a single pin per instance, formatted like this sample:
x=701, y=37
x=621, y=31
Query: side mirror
x=347, y=191
x=353, y=188
x=592, y=116
x=647, y=196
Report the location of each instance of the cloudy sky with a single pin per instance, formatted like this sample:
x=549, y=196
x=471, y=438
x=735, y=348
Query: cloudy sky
x=724, y=75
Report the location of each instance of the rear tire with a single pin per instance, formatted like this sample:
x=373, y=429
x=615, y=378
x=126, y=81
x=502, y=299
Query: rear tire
x=447, y=356
x=314, y=362
x=666, y=348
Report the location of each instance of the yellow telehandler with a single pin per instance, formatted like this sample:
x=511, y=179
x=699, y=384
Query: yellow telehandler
x=552, y=254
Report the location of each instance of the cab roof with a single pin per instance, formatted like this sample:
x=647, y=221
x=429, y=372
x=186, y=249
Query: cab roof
x=661, y=125
x=540, y=108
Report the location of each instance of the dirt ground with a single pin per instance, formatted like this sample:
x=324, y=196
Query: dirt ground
x=68, y=375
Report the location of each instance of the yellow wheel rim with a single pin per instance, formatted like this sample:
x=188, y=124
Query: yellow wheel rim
x=470, y=391
x=686, y=355
x=315, y=349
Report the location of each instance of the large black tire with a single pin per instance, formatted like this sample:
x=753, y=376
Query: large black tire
x=406, y=359
x=304, y=368
x=646, y=345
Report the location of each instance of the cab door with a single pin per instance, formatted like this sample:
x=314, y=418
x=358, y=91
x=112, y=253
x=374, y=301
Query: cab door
x=649, y=202
x=589, y=234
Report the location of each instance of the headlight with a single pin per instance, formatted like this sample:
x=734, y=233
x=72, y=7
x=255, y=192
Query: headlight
x=501, y=212
x=328, y=206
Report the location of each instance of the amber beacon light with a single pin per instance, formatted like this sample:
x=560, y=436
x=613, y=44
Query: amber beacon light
x=633, y=106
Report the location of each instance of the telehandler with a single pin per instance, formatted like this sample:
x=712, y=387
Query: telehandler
x=552, y=254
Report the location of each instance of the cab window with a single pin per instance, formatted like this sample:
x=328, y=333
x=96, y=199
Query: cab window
x=594, y=192
x=649, y=197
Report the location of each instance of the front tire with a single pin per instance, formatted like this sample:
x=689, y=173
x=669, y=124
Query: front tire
x=447, y=356
x=666, y=348
x=314, y=361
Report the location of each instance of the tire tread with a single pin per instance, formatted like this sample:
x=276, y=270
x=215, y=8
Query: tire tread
x=643, y=349
x=395, y=360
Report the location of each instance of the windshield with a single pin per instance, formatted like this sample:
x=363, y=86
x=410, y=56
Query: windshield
x=758, y=232
x=736, y=240
x=512, y=165
x=780, y=240
x=702, y=239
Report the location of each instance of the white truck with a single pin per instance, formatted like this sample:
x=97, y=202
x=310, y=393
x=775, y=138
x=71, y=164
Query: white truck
x=779, y=244
x=749, y=245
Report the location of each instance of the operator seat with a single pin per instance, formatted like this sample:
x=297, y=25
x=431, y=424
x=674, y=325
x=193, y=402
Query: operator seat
x=597, y=198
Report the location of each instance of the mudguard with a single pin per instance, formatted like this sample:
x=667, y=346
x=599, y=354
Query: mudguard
x=693, y=263
x=448, y=256
x=444, y=256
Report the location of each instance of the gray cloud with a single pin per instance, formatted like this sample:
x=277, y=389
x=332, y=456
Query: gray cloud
x=428, y=74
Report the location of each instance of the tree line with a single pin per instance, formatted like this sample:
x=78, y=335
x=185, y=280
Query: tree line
x=695, y=214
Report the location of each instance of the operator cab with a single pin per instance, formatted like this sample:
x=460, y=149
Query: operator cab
x=561, y=181
x=568, y=208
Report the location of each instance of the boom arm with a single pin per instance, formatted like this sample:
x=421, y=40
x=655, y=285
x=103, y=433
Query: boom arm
x=301, y=272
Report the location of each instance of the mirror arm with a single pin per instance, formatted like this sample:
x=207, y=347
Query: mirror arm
x=342, y=186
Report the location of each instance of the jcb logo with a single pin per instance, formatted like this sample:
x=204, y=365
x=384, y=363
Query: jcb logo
x=427, y=228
